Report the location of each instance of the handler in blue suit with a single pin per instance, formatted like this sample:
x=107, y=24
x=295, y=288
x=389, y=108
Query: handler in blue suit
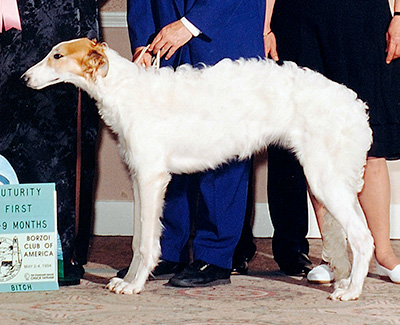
x=193, y=32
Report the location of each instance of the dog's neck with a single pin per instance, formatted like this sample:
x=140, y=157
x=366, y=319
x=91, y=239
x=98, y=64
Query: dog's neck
x=120, y=73
x=118, y=67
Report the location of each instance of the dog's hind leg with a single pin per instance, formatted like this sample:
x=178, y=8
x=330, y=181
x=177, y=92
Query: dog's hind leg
x=334, y=241
x=342, y=205
x=146, y=244
x=334, y=247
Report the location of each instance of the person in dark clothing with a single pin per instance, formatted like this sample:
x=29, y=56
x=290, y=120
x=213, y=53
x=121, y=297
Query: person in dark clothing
x=38, y=129
x=354, y=43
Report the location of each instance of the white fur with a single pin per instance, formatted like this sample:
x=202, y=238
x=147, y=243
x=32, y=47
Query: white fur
x=191, y=120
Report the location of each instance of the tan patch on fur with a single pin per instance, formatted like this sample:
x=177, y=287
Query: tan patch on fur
x=83, y=57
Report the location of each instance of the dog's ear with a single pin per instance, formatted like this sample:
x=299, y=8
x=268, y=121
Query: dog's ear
x=96, y=63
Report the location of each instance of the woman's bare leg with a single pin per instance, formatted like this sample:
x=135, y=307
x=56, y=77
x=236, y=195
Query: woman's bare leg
x=375, y=202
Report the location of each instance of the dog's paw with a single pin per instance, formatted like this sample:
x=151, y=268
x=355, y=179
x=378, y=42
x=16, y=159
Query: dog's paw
x=342, y=284
x=119, y=286
x=345, y=294
x=113, y=283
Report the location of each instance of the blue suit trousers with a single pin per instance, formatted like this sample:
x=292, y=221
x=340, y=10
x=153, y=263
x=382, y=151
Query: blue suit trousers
x=214, y=205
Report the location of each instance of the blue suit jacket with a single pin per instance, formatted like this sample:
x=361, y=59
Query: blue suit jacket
x=230, y=28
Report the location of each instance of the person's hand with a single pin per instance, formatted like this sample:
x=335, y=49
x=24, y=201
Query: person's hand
x=393, y=40
x=145, y=60
x=170, y=39
x=270, y=46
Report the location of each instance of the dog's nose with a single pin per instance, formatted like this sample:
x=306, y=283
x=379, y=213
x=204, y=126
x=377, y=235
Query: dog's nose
x=24, y=78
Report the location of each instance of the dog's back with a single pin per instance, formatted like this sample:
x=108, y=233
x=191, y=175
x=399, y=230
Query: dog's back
x=200, y=117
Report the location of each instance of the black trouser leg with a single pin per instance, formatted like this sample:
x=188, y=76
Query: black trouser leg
x=287, y=198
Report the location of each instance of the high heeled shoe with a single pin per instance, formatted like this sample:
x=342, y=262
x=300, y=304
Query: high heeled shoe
x=393, y=275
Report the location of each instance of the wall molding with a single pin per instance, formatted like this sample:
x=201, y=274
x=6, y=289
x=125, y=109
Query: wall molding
x=113, y=19
x=114, y=218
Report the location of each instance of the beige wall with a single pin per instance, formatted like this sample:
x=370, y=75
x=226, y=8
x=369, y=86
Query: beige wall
x=113, y=179
x=113, y=182
x=112, y=5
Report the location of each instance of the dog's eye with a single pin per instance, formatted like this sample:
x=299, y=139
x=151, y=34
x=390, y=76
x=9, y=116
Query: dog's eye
x=57, y=56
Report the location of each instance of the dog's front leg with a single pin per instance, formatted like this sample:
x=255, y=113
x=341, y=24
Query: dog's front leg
x=131, y=275
x=146, y=242
x=133, y=268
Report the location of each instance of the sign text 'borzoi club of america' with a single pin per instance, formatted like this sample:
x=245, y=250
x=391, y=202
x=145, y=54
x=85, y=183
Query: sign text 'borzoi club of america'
x=28, y=237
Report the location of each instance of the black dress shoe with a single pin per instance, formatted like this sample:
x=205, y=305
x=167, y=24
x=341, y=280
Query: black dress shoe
x=121, y=273
x=241, y=268
x=163, y=271
x=71, y=274
x=166, y=269
x=201, y=274
x=297, y=265
x=240, y=263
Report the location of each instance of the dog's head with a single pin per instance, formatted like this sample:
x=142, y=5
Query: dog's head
x=79, y=62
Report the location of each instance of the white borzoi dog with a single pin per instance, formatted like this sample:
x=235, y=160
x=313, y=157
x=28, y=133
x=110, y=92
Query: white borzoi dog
x=195, y=119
